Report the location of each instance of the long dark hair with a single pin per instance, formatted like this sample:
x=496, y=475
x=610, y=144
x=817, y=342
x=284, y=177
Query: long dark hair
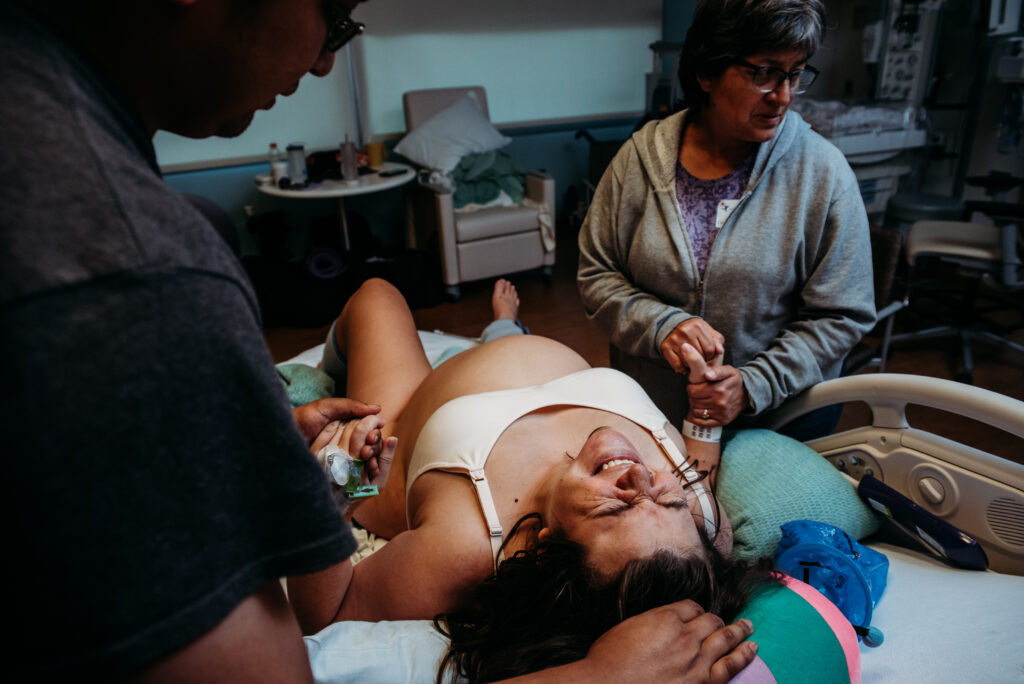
x=544, y=607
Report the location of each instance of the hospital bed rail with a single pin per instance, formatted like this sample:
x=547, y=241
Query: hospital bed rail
x=976, y=491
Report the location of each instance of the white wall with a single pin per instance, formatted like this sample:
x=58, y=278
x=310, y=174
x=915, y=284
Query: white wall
x=538, y=59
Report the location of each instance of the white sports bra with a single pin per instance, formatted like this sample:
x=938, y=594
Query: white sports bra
x=451, y=441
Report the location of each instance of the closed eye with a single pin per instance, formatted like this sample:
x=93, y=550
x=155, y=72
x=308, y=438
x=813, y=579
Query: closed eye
x=611, y=510
x=620, y=508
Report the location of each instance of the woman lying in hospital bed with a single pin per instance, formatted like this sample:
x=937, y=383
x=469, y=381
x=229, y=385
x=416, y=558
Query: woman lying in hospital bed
x=940, y=623
x=586, y=488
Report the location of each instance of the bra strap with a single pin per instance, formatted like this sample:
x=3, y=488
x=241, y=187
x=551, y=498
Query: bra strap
x=483, y=493
x=693, y=478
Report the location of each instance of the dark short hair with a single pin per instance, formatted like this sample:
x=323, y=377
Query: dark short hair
x=543, y=607
x=726, y=30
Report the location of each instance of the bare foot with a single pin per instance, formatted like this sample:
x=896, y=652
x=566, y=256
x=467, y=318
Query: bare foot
x=505, y=300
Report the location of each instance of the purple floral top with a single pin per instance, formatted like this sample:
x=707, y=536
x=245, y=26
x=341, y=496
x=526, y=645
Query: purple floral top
x=698, y=202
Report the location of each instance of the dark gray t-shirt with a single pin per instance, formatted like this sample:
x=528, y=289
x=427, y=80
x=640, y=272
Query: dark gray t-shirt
x=154, y=477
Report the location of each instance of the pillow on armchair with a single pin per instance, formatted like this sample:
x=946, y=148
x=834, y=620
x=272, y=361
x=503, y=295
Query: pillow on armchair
x=445, y=138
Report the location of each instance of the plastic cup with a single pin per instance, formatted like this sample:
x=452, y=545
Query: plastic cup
x=375, y=154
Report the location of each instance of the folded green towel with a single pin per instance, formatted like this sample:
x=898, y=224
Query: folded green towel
x=480, y=178
x=304, y=383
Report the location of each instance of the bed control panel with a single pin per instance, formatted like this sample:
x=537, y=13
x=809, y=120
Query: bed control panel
x=946, y=541
x=856, y=463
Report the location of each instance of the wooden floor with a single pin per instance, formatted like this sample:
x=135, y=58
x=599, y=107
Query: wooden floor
x=554, y=310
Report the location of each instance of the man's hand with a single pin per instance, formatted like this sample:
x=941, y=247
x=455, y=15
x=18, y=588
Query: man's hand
x=674, y=643
x=313, y=417
x=696, y=332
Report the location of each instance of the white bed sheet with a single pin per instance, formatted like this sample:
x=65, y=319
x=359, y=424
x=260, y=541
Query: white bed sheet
x=942, y=624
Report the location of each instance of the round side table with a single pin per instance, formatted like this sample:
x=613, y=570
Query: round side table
x=389, y=175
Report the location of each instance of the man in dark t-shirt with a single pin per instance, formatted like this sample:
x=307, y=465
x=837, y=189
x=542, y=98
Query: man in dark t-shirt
x=157, y=485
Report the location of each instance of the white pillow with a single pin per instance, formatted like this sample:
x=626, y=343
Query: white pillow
x=446, y=137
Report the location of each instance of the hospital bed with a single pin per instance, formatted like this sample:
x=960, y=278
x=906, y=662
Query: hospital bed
x=941, y=624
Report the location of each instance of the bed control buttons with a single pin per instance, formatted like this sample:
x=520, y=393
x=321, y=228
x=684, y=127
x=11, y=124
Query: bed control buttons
x=932, y=490
x=855, y=462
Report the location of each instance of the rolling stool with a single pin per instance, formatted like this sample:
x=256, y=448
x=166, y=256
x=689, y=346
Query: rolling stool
x=906, y=208
x=995, y=183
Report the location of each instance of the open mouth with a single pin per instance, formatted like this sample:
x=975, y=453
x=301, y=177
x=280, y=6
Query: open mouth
x=615, y=461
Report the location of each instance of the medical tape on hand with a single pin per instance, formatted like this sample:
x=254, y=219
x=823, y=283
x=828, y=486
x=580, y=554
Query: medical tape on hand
x=344, y=471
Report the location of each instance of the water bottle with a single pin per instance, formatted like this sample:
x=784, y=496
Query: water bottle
x=278, y=164
x=297, y=165
x=349, y=163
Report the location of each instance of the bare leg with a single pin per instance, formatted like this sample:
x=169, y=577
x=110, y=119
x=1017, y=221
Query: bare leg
x=377, y=336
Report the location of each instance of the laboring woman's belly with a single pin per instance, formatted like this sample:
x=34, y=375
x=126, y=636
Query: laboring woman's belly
x=505, y=363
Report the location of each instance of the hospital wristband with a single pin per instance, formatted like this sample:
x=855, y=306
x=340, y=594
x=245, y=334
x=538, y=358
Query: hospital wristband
x=701, y=433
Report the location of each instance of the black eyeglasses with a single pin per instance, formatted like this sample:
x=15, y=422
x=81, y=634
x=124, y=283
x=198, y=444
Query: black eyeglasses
x=340, y=27
x=768, y=78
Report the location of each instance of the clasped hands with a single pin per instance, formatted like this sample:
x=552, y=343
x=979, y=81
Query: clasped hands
x=715, y=391
x=352, y=425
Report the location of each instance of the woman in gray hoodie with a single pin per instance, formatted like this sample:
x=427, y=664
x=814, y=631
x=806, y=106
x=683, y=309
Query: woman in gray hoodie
x=733, y=225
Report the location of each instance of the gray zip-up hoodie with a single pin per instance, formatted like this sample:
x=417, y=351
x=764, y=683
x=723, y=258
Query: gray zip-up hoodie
x=789, y=278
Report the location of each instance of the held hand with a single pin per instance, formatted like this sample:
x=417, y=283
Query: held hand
x=313, y=417
x=695, y=332
x=674, y=643
x=362, y=439
x=701, y=370
x=703, y=452
x=718, y=399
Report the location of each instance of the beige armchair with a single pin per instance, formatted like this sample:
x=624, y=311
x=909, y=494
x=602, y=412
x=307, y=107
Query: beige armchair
x=487, y=242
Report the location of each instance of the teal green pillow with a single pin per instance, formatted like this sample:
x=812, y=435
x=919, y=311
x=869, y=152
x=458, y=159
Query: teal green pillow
x=766, y=480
